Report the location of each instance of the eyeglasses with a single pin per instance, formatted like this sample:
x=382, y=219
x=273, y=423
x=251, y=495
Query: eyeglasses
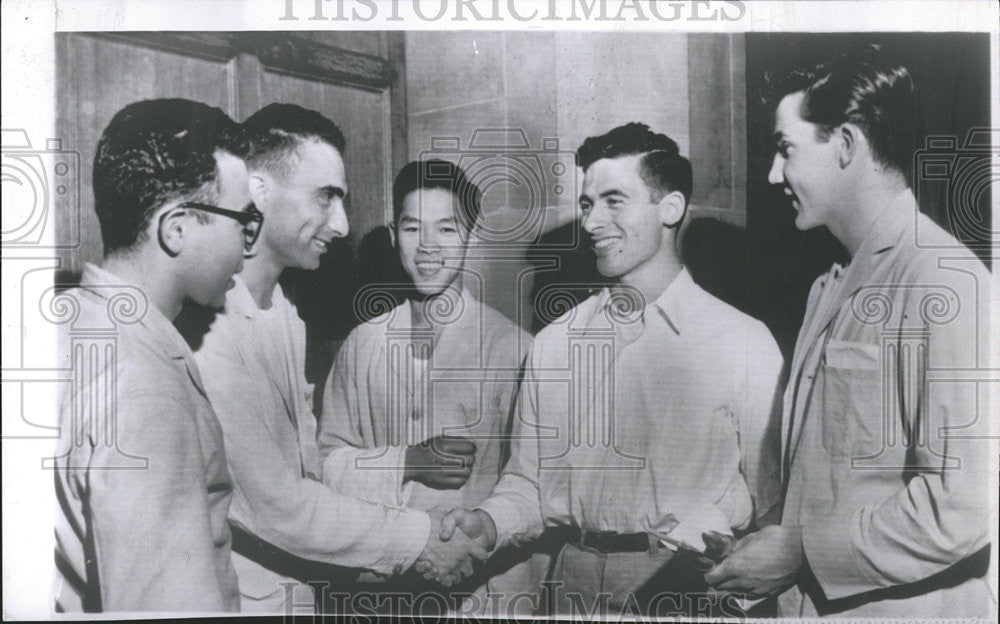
x=250, y=218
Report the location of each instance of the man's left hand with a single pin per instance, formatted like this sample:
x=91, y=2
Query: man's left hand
x=447, y=561
x=764, y=563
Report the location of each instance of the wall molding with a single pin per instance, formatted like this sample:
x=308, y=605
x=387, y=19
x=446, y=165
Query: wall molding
x=279, y=52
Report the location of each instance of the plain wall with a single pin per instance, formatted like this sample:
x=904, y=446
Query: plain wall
x=568, y=86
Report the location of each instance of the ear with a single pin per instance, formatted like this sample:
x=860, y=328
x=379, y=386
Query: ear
x=259, y=184
x=671, y=208
x=392, y=234
x=849, y=138
x=172, y=231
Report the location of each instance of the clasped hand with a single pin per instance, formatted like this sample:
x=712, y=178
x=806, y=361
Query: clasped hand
x=443, y=462
x=761, y=564
x=449, y=554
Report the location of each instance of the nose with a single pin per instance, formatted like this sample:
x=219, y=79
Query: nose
x=428, y=239
x=777, y=174
x=337, y=221
x=594, y=219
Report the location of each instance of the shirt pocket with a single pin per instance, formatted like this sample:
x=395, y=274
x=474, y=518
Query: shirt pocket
x=851, y=397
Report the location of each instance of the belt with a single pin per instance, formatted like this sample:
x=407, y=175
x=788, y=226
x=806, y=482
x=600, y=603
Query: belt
x=611, y=542
x=285, y=563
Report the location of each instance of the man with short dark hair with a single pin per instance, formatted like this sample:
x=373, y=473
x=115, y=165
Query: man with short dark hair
x=394, y=427
x=887, y=475
x=646, y=411
x=285, y=520
x=141, y=480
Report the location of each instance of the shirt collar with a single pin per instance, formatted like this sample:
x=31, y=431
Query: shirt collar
x=128, y=304
x=888, y=227
x=401, y=318
x=239, y=301
x=669, y=307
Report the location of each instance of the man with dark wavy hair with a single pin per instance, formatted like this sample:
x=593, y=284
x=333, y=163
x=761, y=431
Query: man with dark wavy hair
x=663, y=427
x=887, y=475
x=141, y=477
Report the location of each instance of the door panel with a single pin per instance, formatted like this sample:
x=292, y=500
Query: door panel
x=356, y=79
x=97, y=77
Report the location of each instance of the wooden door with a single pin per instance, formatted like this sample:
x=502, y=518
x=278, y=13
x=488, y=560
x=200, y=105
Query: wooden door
x=356, y=79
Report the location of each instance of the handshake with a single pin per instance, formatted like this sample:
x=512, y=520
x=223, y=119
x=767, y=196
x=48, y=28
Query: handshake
x=459, y=536
x=456, y=539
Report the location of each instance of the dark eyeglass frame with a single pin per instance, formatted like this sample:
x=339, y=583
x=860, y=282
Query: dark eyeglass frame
x=250, y=218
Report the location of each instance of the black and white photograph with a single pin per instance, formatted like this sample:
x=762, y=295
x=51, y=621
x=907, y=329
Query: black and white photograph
x=589, y=310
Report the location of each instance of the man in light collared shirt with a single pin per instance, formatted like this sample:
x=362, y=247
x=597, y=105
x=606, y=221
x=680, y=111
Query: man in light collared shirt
x=888, y=476
x=253, y=357
x=141, y=474
x=648, y=411
x=420, y=397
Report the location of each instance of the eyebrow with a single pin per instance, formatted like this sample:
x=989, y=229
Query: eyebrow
x=607, y=193
x=410, y=219
x=331, y=191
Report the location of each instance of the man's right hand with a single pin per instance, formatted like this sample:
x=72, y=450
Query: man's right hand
x=442, y=463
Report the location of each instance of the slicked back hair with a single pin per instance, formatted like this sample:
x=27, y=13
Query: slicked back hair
x=153, y=152
x=865, y=88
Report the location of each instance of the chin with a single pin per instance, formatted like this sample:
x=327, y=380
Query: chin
x=310, y=264
x=212, y=303
x=607, y=269
x=217, y=303
x=803, y=223
x=429, y=289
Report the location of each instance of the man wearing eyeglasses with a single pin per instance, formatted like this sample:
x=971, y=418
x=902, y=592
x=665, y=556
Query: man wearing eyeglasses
x=141, y=475
x=284, y=519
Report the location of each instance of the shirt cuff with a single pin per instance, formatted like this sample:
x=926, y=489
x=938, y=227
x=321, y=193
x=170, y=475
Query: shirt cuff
x=505, y=518
x=829, y=550
x=408, y=538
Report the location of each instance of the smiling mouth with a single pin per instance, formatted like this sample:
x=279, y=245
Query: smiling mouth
x=320, y=243
x=792, y=196
x=429, y=267
x=604, y=244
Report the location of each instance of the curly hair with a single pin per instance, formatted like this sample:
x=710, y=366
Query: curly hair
x=153, y=152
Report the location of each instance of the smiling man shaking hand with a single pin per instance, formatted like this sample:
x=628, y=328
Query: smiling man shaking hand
x=670, y=425
x=253, y=358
